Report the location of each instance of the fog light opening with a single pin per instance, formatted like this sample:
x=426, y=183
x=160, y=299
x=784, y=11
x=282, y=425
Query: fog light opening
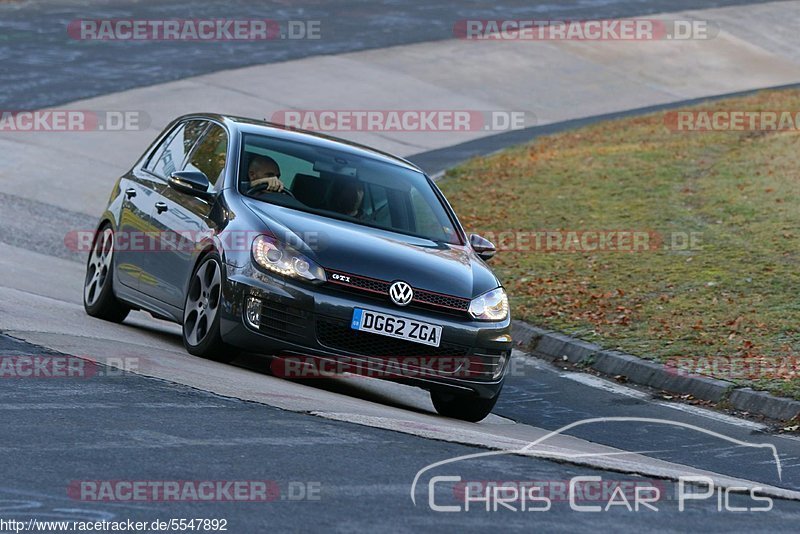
x=253, y=312
x=501, y=364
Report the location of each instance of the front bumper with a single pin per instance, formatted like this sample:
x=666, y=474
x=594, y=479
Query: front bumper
x=301, y=319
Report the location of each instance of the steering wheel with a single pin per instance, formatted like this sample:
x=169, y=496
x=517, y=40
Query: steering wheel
x=262, y=187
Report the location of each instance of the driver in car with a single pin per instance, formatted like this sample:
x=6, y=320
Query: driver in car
x=264, y=170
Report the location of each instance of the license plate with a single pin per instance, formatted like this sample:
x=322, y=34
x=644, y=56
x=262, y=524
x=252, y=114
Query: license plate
x=396, y=327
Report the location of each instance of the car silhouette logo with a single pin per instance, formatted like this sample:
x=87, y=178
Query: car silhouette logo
x=401, y=293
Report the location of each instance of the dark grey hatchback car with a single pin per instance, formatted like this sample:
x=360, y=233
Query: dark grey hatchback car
x=338, y=257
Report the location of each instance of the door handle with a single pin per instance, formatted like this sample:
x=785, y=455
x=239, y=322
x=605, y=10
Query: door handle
x=161, y=207
x=130, y=193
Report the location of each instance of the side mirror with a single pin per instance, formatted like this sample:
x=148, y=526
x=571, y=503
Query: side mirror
x=190, y=182
x=485, y=248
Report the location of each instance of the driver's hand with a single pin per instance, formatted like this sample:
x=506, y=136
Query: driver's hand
x=273, y=183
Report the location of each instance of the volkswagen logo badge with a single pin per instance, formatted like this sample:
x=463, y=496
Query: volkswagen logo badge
x=401, y=293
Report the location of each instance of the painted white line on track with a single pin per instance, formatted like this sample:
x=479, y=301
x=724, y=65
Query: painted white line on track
x=618, y=389
x=710, y=414
x=605, y=385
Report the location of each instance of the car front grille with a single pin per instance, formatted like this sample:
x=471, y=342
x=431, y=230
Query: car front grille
x=442, y=301
x=380, y=289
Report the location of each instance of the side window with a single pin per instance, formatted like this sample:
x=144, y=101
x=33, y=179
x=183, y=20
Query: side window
x=173, y=151
x=209, y=156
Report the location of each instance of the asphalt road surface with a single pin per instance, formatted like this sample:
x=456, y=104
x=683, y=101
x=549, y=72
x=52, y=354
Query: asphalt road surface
x=43, y=66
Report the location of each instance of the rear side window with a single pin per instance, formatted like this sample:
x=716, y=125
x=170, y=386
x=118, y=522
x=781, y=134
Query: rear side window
x=169, y=157
x=210, y=154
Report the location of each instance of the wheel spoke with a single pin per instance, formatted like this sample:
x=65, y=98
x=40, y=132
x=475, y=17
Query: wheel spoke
x=97, y=252
x=202, y=326
x=190, y=324
x=98, y=266
x=105, y=252
x=91, y=290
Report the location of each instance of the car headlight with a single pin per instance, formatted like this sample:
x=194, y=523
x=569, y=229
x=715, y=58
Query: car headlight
x=279, y=258
x=491, y=306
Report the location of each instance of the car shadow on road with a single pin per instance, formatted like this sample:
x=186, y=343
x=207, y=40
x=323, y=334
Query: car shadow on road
x=355, y=386
x=360, y=387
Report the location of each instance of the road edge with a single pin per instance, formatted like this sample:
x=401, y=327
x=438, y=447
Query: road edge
x=439, y=161
x=554, y=346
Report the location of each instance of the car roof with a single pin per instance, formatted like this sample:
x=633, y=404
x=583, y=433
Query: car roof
x=279, y=131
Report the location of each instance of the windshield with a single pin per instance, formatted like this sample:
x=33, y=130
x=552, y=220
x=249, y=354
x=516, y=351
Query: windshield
x=343, y=186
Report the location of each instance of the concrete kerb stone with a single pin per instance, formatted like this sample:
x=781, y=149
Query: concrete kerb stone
x=555, y=346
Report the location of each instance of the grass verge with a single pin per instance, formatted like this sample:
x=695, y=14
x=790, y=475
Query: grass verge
x=725, y=305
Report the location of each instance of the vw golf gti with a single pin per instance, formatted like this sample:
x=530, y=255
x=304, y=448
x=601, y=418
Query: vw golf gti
x=259, y=238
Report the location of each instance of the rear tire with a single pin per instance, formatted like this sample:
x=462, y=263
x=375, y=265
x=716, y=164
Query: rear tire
x=98, y=287
x=466, y=408
x=201, y=315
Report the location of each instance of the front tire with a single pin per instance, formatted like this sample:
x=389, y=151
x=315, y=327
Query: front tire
x=98, y=291
x=201, y=315
x=466, y=408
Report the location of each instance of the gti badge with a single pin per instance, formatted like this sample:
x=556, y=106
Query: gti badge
x=341, y=277
x=401, y=293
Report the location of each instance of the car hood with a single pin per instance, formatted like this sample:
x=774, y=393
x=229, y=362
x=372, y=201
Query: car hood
x=351, y=248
